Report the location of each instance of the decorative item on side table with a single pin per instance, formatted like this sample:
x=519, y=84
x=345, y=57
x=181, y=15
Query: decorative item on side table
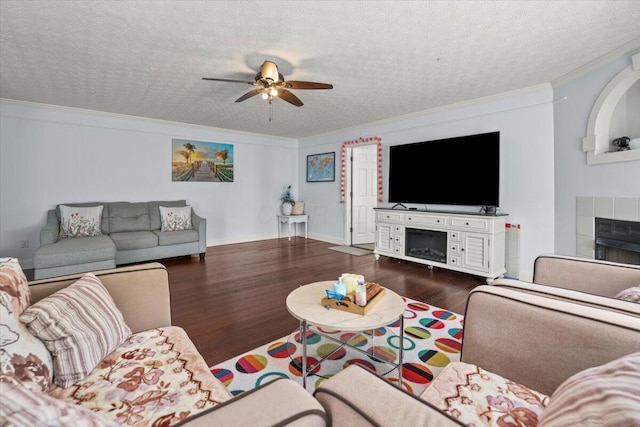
x=298, y=208
x=287, y=201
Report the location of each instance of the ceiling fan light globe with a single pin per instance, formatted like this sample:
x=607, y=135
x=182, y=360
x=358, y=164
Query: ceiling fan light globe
x=273, y=92
x=264, y=95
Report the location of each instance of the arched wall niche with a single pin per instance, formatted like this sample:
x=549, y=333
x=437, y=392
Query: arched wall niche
x=597, y=143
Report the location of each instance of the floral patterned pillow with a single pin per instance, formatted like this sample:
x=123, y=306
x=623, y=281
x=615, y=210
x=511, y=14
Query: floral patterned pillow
x=80, y=221
x=175, y=218
x=24, y=359
x=477, y=397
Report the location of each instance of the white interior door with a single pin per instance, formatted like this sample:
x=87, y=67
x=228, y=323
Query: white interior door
x=364, y=181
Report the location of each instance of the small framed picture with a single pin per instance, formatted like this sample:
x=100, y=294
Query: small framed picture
x=321, y=167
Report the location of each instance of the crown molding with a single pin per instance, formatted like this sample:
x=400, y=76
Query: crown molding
x=96, y=113
x=357, y=130
x=601, y=60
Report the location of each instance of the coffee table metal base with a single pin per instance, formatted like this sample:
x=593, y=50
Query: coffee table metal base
x=304, y=328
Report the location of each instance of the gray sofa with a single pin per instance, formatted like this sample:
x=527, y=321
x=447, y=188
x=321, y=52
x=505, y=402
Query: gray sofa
x=130, y=233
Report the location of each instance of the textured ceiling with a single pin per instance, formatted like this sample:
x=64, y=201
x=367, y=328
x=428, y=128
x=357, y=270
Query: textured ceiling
x=385, y=58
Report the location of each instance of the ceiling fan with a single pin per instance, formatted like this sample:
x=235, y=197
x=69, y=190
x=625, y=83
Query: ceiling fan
x=271, y=84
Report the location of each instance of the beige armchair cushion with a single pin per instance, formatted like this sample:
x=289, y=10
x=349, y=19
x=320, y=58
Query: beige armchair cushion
x=357, y=397
x=279, y=402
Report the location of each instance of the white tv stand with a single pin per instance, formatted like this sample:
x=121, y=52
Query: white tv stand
x=466, y=242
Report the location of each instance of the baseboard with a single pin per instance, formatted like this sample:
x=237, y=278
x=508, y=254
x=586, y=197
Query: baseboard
x=321, y=237
x=526, y=276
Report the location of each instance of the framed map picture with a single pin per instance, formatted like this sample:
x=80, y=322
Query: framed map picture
x=321, y=167
x=198, y=161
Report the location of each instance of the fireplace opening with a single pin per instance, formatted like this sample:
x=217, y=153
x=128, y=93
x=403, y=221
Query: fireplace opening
x=617, y=240
x=426, y=244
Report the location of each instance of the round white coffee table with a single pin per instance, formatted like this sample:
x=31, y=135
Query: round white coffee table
x=305, y=305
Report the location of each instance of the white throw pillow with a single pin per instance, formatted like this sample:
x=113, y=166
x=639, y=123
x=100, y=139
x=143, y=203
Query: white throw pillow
x=175, y=218
x=630, y=294
x=80, y=325
x=80, y=221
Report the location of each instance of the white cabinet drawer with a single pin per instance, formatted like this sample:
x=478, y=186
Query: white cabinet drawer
x=430, y=220
x=389, y=217
x=454, y=248
x=454, y=236
x=475, y=224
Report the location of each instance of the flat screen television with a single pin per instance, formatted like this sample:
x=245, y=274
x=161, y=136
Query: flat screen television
x=464, y=170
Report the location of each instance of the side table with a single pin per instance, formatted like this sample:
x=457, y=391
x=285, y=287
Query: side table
x=293, y=219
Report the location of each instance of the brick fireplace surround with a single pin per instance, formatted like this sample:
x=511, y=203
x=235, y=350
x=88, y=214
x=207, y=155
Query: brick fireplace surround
x=589, y=208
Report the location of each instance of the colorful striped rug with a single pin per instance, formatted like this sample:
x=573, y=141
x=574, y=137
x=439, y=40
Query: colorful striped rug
x=432, y=339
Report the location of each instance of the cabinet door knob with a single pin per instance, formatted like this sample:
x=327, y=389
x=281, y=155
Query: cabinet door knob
x=466, y=223
x=462, y=249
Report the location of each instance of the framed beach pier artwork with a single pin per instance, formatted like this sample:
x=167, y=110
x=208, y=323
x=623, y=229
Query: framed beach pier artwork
x=199, y=161
x=321, y=167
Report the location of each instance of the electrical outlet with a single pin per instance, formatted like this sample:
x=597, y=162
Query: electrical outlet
x=24, y=244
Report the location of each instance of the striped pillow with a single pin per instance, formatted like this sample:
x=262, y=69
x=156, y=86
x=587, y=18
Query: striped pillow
x=20, y=406
x=80, y=325
x=605, y=395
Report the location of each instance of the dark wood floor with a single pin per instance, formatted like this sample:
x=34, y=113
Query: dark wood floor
x=234, y=300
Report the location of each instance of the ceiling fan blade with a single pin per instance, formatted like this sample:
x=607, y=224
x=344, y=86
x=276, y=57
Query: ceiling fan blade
x=249, y=94
x=291, y=84
x=285, y=95
x=228, y=80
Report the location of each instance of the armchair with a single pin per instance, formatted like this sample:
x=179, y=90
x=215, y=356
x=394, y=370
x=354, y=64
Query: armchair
x=521, y=347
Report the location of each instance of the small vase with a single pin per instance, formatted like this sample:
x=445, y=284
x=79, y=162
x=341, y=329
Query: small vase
x=287, y=208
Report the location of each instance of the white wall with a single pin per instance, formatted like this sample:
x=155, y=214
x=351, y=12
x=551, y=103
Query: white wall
x=525, y=122
x=54, y=155
x=574, y=177
x=49, y=156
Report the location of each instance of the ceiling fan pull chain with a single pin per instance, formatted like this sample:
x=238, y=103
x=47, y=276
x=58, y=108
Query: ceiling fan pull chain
x=270, y=111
